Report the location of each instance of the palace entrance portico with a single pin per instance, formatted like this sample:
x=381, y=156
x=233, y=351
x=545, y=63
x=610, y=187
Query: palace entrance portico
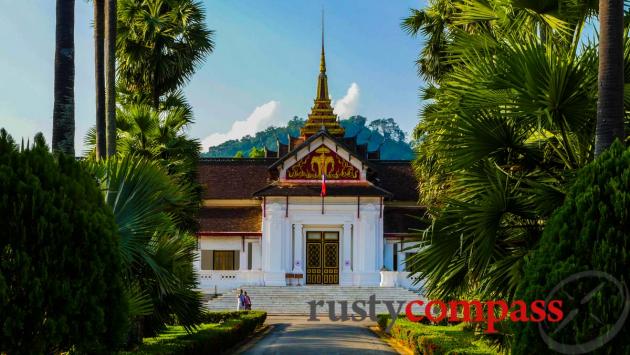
x=341, y=246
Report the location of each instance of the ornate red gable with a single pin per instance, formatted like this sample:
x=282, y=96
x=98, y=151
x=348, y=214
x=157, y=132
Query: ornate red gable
x=322, y=161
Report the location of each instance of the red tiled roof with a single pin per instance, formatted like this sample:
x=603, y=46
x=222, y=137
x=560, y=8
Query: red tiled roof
x=233, y=178
x=397, y=177
x=230, y=219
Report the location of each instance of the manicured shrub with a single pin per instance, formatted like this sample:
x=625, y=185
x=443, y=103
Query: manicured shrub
x=218, y=317
x=436, y=339
x=60, y=286
x=208, y=338
x=591, y=231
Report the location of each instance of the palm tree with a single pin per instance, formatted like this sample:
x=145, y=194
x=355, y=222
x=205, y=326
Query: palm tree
x=501, y=134
x=157, y=256
x=160, y=43
x=99, y=53
x=110, y=75
x=610, y=109
x=160, y=136
x=63, y=109
x=432, y=23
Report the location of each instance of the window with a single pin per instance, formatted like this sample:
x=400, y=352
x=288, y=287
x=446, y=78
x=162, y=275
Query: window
x=331, y=236
x=313, y=236
x=225, y=260
x=220, y=259
x=395, y=268
x=206, y=259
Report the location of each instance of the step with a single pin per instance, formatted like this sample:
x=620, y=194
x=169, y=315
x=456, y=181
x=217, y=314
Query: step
x=293, y=300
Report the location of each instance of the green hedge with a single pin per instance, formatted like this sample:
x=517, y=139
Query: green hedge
x=210, y=338
x=590, y=232
x=436, y=339
x=60, y=268
x=219, y=317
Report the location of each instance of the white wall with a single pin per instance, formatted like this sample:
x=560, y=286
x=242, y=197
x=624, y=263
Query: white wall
x=340, y=213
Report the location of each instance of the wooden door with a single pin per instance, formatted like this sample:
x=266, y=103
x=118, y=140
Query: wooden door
x=322, y=258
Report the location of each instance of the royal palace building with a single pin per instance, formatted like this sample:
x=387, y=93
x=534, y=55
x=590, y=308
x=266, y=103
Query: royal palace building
x=321, y=209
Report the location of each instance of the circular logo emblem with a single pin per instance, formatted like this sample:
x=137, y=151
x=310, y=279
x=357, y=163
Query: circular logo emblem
x=578, y=290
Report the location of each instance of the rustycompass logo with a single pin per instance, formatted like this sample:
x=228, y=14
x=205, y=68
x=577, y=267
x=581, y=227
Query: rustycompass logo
x=583, y=296
x=575, y=301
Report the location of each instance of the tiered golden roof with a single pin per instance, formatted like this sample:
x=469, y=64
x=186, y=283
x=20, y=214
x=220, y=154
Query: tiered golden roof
x=322, y=115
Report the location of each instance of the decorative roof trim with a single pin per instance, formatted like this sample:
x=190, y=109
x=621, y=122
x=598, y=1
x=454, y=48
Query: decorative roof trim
x=307, y=143
x=228, y=234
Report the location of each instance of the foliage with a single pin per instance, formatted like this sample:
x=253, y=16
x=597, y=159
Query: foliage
x=148, y=205
x=506, y=123
x=159, y=44
x=383, y=134
x=209, y=338
x=161, y=137
x=589, y=232
x=256, y=153
x=60, y=279
x=435, y=339
x=219, y=317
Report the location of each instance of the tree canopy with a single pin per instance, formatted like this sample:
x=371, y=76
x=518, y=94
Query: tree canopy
x=381, y=133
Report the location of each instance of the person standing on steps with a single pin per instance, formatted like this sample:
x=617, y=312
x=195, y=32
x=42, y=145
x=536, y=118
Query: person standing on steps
x=241, y=301
x=248, y=302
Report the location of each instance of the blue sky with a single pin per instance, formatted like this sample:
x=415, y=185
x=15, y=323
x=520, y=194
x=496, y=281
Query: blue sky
x=263, y=70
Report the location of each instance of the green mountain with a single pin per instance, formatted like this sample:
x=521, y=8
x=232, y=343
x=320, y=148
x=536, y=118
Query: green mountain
x=383, y=132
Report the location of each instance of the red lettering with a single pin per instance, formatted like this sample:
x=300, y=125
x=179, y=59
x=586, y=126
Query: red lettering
x=520, y=313
x=555, y=309
x=538, y=311
x=492, y=314
x=466, y=315
x=428, y=311
x=409, y=312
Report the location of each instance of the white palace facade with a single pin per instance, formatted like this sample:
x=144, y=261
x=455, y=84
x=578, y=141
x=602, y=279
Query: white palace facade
x=264, y=221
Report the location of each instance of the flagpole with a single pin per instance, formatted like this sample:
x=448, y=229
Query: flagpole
x=322, y=204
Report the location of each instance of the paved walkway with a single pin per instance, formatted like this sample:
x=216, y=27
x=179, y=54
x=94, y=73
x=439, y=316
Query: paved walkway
x=296, y=335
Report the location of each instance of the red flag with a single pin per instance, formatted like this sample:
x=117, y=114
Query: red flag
x=323, y=193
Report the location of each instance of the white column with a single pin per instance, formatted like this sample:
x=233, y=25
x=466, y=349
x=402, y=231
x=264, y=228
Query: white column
x=272, y=247
x=298, y=248
x=347, y=266
x=369, y=274
x=287, y=245
x=345, y=278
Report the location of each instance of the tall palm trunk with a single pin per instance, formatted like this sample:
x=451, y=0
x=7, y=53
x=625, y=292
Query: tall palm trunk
x=110, y=75
x=99, y=52
x=63, y=109
x=610, y=104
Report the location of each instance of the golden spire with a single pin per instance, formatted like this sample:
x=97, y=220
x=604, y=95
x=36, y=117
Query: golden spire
x=322, y=115
x=322, y=63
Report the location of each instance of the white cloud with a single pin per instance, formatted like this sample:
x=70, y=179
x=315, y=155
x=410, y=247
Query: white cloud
x=261, y=118
x=347, y=106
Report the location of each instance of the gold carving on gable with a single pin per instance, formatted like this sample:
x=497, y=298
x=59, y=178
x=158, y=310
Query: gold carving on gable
x=323, y=161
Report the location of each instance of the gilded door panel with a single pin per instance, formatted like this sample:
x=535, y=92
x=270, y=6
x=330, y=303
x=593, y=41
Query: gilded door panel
x=331, y=262
x=314, y=262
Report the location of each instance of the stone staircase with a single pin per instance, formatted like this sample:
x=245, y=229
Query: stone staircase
x=293, y=299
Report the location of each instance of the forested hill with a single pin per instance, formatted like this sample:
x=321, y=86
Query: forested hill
x=383, y=131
